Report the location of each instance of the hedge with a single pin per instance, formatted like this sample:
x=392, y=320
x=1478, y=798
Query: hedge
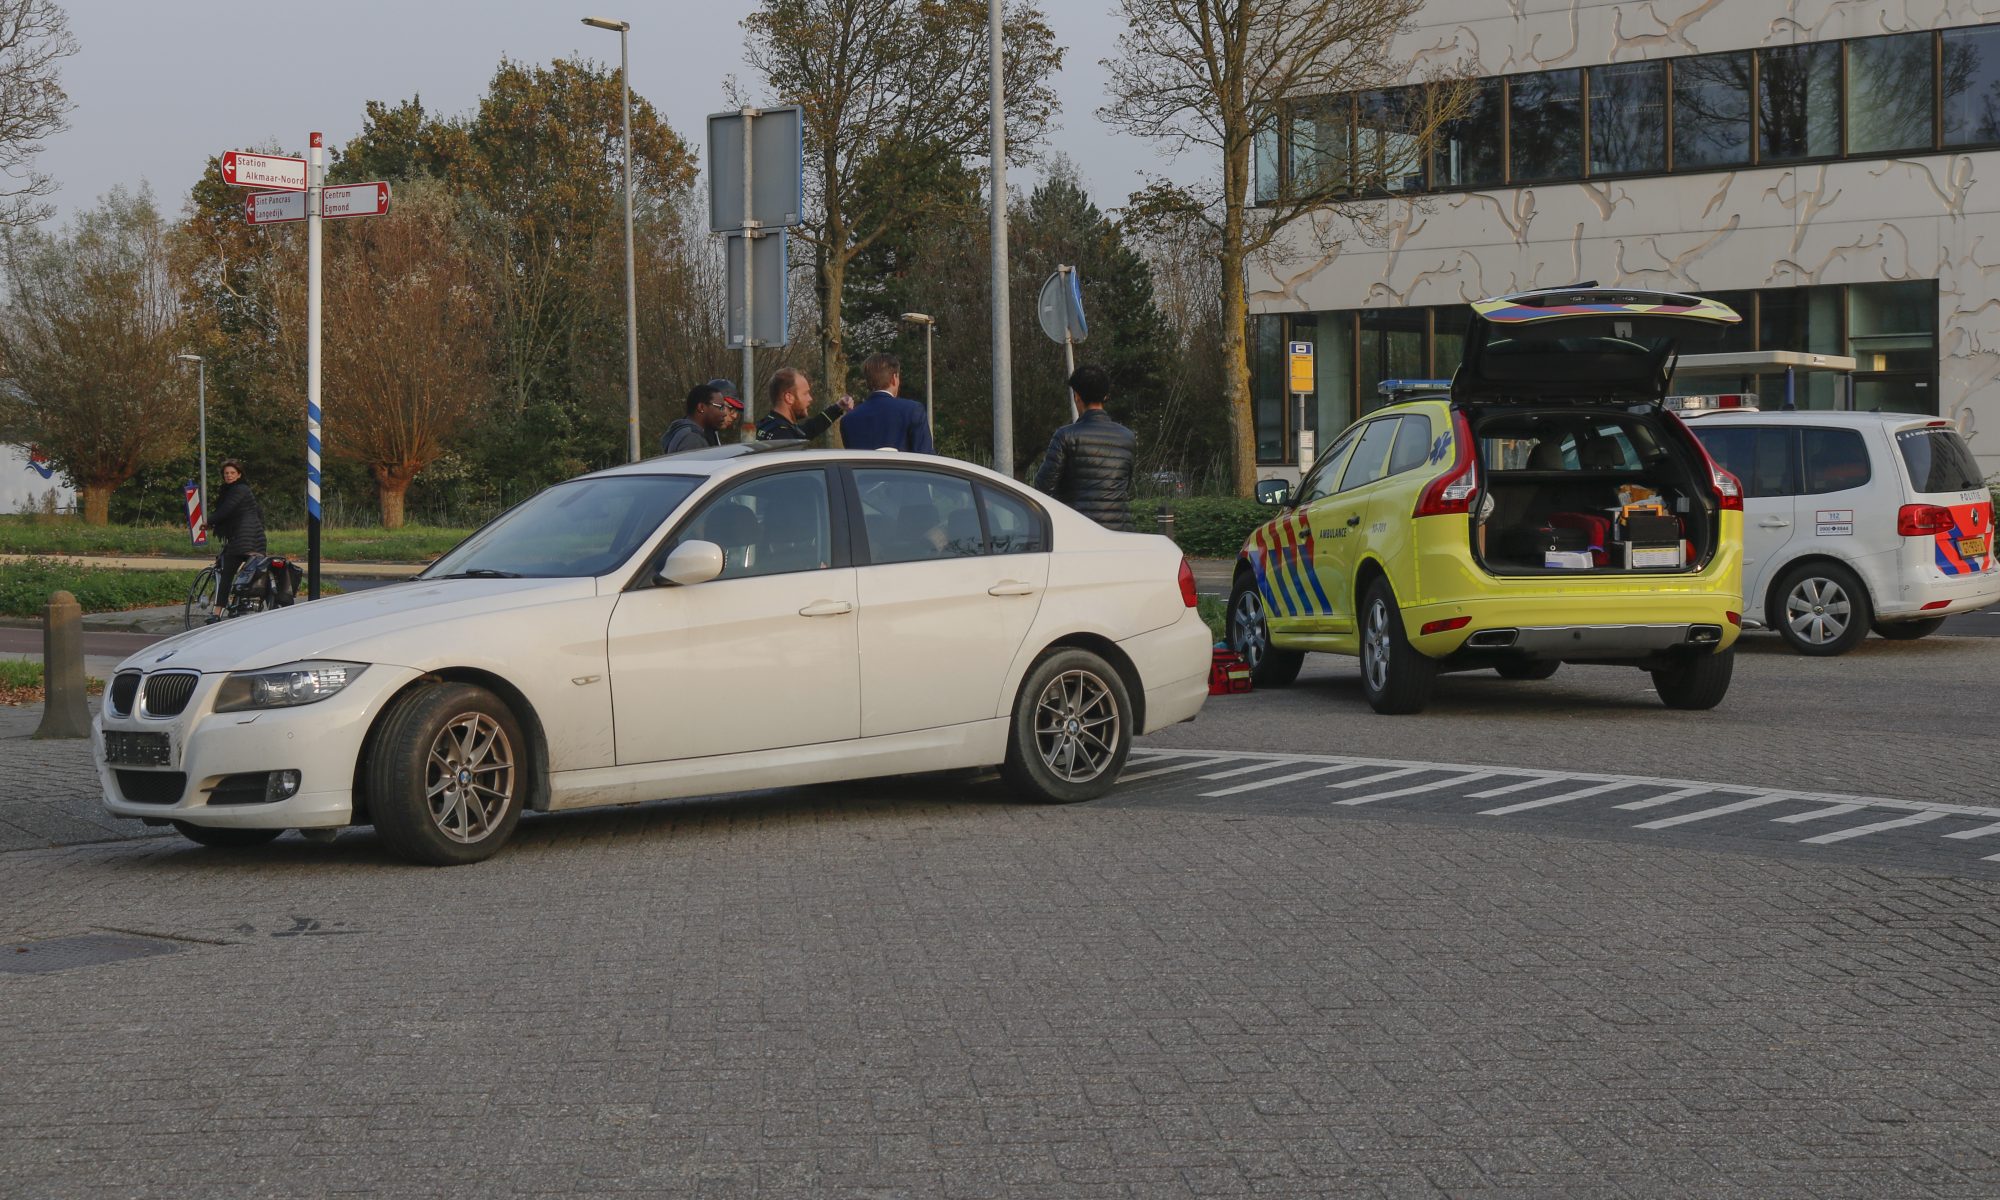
x=1206, y=526
x=25, y=587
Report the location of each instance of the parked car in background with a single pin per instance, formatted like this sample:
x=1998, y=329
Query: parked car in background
x=716, y=621
x=1855, y=521
x=1547, y=511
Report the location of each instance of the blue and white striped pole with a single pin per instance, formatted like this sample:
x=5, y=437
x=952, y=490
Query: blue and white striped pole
x=314, y=180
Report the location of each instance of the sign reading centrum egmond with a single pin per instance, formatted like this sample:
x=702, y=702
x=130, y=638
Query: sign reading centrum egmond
x=348, y=200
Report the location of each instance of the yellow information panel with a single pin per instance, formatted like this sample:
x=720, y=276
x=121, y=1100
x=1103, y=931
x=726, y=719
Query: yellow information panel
x=1302, y=366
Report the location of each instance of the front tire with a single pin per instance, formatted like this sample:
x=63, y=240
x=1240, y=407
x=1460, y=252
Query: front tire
x=200, y=599
x=1250, y=637
x=1822, y=609
x=447, y=775
x=1071, y=729
x=1394, y=676
x=223, y=838
x=1696, y=684
x=1909, y=631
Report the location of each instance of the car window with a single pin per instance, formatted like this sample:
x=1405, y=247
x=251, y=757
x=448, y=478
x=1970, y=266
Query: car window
x=1319, y=483
x=1939, y=460
x=1834, y=459
x=771, y=525
x=584, y=527
x=1413, y=444
x=1759, y=456
x=1013, y=525
x=1603, y=448
x=1370, y=459
x=912, y=516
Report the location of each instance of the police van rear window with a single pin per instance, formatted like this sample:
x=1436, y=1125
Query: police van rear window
x=1939, y=460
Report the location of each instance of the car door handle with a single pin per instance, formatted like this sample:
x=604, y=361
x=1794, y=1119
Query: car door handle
x=1011, y=587
x=1773, y=523
x=826, y=608
x=1354, y=520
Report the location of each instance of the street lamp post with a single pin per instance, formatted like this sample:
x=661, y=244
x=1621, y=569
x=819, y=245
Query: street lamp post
x=930, y=392
x=1003, y=368
x=201, y=419
x=631, y=287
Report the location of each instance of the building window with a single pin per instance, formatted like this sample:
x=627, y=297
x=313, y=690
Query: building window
x=1798, y=102
x=1712, y=111
x=1972, y=86
x=1319, y=147
x=1545, y=126
x=1888, y=97
x=1330, y=407
x=1469, y=149
x=1391, y=347
x=1388, y=147
x=1892, y=334
x=1264, y=165
x=1628, y=118
x=1267, y=381
x=1449, y=324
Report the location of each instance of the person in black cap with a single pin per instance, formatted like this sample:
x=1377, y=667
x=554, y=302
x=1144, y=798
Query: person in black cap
x=707, y=416
x=791, y=418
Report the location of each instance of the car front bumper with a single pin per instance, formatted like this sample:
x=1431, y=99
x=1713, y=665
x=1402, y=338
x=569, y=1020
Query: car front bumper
x=321, y=741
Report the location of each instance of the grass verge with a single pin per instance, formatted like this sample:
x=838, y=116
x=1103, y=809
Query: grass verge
x=29, y=534
x=21, y=682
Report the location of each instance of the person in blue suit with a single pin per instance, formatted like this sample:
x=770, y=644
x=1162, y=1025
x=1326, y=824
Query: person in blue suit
x=885, y=420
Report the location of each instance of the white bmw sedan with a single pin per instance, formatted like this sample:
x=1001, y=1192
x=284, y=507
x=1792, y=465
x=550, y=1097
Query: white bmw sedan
x=708, y=622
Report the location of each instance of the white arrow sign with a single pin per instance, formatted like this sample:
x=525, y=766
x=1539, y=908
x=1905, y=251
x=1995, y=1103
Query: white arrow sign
x=244, y=169
x=264, y=208
x=354, y=200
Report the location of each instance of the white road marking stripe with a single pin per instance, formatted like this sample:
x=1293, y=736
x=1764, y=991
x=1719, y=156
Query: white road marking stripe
x=1838, y=810
x=1524, y=785
x=1669, y=798
x=1980, y=831
x=1367, y=779
x=1265, y=765
x=1191, y=764
x=1842, y=835
x=1545, y=801
x=1264, y=783
x=1720, y=810
x=1372, y=797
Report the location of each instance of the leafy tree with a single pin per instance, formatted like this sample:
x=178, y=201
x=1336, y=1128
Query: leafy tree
x=894, y=94
x=88, y=334
x=34, y=37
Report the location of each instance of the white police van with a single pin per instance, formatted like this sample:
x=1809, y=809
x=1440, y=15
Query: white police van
x=1852, y=521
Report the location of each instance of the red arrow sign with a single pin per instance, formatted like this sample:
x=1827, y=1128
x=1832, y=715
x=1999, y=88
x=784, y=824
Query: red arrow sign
x=354, y=200
x=244, y=169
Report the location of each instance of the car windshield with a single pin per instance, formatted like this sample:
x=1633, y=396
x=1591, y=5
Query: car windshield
x=1939, y=460
x=584, y=527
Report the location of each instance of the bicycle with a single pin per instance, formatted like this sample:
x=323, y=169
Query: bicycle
x=258, y=588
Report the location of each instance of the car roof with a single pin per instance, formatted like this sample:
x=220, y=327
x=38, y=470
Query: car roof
x=1821, y=416
x=735, y=458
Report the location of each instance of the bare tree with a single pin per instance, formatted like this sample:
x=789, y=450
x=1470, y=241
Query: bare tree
x=1227, y=76
x=895, y=95
x=92, y=320
x=34, y=37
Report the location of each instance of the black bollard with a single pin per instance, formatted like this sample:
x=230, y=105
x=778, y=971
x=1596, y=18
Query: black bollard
x=1163, y=520
x=65, y=710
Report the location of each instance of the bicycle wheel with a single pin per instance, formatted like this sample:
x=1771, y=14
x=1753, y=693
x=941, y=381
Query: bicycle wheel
x=200, y=599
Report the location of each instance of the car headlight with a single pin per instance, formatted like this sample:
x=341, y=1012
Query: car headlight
x=286, y=687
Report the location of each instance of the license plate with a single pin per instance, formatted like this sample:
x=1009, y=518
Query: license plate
x=1972, y=547
x=136, y=749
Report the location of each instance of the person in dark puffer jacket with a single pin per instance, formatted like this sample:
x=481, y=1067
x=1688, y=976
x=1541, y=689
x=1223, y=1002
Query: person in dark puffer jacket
x=1089, y=463
x=238, y=521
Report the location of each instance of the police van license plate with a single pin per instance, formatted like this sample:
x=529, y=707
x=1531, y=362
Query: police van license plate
x=1972, y=547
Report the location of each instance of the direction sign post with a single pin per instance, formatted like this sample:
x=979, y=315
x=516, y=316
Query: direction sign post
x=1060, y=308
x=761, y=148
x=1301, y=372
x=244, y=169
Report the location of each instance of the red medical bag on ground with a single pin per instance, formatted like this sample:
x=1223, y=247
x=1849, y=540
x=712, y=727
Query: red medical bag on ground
x=1227, y=672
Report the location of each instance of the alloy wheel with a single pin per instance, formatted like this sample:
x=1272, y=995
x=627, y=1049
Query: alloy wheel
x=1375, y=646
x=1818, y=611
x=469, y=777
x=1076, y=726
x=1251, y=639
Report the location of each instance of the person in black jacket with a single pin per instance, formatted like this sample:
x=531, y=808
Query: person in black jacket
x=707, y=415
x=238, y=521
x=1089, y=463
x=791, y=418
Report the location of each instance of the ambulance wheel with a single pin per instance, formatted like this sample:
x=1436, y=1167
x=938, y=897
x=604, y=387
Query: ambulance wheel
x=1250, y=637
x=1822, y=609
x=1909, y=631
x=1696, y=683
x=1395, y=678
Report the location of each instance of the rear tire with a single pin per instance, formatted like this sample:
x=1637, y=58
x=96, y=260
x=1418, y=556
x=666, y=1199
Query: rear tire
x=447, y=775
x=1250, y=637
x=1394, y=676
x=1909, y=631
x=1822, y=609
x=1070, y=731
x=1528, y=670
x=224, y=838
x=1696, y=684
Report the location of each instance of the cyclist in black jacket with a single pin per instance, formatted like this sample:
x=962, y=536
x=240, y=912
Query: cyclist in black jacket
x=238, y=521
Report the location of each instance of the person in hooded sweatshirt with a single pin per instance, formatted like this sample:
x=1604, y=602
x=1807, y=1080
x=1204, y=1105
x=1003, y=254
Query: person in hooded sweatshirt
x=708, y=412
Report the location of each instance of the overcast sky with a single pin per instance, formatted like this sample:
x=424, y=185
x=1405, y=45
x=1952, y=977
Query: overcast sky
x=160, y=85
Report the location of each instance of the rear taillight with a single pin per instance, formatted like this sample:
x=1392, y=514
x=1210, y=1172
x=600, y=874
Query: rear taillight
x=1452, y=492
x=1728, y=492
x=1923, y=520
x=1187, y=585
x=1445, y=626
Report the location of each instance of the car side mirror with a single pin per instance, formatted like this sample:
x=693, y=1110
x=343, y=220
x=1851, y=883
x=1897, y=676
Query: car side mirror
x=1274, y=492
x=690, y=563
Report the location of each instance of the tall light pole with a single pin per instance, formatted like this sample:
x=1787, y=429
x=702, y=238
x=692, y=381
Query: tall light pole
x=1003, y=366
x=930, y=392
x=631, y=287
x=201, y=419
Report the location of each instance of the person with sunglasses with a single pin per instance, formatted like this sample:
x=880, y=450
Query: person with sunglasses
x=708, y=412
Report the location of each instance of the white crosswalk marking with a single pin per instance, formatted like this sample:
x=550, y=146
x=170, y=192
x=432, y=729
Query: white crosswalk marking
x=1522, y=786
x=1978, y=831
x=1367, y=779
x=1719, y=810
x=1188, y=765
x=1670, y=797
x=1837, y=810
x=1294, y=777
x=1545, y=801
x=1264, y=765
x=1842, y=835
x=1432, y=786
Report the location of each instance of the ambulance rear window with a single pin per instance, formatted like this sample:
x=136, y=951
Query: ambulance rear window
x=1939, y=460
